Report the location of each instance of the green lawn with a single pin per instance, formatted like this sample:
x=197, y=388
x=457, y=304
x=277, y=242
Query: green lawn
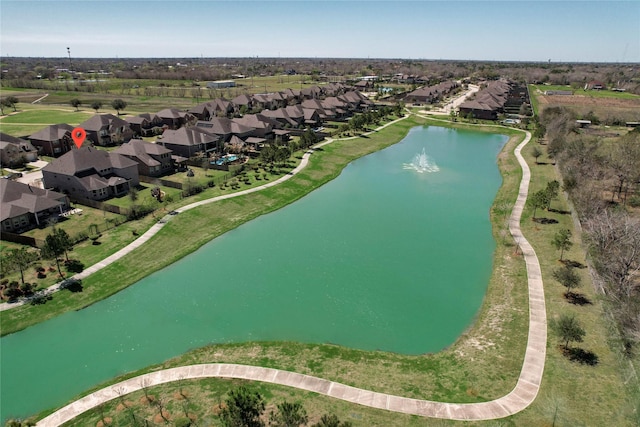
x=45, y=117
x=589, y=93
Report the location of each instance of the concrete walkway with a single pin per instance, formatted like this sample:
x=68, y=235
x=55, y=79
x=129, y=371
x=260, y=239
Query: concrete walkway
x=158, y=226
x=518, y=399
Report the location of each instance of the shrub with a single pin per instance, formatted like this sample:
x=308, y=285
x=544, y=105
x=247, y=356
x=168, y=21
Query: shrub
x=634, y=201
x=39, y=297
x=211, y=183
x=80, y=237
x=183, y=422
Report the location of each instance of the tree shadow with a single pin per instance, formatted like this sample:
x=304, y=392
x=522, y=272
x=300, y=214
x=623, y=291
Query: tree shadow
x=545, y=220
x=559, y=211
x=584, y=357
x=577, y=299
x=573, y=264
x=72, y=285
x=74, y=266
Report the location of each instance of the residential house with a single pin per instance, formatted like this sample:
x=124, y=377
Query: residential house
x=491, y=100
x=190, y=142
x=153, y=159
x=145, y=124
x=225, y=128
x=220, y=107
x=356, y=101
x=364, y=85
x=431, y=94
x=311, y=117
x=334, y=89
x=478, y=110
x=174, y=119
x=201, y=111
x=242, y=103
x=292, y=96
x=319, y=107
x=90, y=173
x=263, y=125
x=290, y=116
x=106, y=130
x=16, y=151
x=53, y=140
x=311, y=92
x=339, y=107
x=25, y=207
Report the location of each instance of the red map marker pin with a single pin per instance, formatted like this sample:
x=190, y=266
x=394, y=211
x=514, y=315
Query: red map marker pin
x=78, y=135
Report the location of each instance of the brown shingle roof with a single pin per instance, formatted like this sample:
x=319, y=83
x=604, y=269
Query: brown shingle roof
x=189, y=136
x=87, y=158
x=103, y=121
x=52, y=132
x=18, y=198
x=142, y=150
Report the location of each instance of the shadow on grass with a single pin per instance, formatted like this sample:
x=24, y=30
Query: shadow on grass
x=559, y=211
x=584, y=357
x=545, y=220
x=577, y=299
x=573, y=264
x=74, y=266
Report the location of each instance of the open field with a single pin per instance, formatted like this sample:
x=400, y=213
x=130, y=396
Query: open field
x=465, y=372
x=586, y=93
x=611, y=108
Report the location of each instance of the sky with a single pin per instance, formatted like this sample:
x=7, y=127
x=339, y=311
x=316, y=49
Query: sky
x=560, y=31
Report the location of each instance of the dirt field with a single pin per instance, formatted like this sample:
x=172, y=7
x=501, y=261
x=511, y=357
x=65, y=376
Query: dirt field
x=609, y=110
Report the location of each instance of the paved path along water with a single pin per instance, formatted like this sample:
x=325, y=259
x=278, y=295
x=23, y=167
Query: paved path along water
x=518, y=399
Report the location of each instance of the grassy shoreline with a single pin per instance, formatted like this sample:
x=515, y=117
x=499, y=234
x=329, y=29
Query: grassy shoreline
x=481, y=365
x=447, y=375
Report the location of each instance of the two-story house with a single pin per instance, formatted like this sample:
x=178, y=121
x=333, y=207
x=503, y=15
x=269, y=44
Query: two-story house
x=91, y=174
x=152, y=159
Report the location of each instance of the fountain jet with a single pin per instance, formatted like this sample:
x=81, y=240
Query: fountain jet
x=422, y=163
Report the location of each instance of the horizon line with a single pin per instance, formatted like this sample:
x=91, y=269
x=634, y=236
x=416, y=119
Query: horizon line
x=533, y=61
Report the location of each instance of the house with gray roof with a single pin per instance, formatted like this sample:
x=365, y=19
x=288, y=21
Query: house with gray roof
x=263, y=125
x=25, y=207
x=53, y=140
x=490, y=100
x=90, y=173
x=16, y=151
x=190, y=142
x=225, y=128
x=152, y=159
x=106, y=130
x=174, y=119
x=145, y=124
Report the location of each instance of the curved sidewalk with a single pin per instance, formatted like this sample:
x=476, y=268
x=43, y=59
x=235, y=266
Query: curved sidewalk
x=518, y=399
x=158, y=225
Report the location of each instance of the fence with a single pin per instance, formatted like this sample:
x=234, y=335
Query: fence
x=165, y=182
x=23, y=240
x=101, y=205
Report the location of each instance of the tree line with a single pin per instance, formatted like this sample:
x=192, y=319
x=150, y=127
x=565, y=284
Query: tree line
x=602, y=179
